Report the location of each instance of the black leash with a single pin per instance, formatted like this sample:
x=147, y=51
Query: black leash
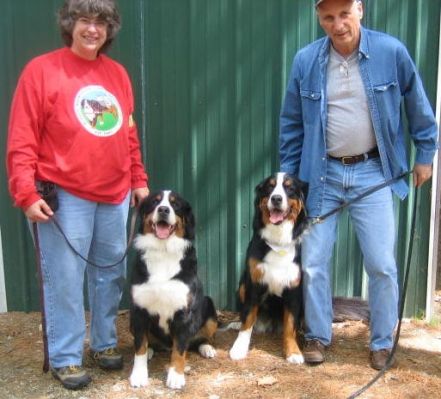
x=402, y=299
x=129, y=242
x=321, y=218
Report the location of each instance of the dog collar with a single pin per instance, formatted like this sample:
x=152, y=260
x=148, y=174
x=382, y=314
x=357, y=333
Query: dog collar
x=282, y=250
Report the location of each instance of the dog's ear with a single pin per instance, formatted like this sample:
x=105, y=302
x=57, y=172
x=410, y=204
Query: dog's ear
x=258, y=189
x=189, y=220
x=303, y=188
x=301, y=223
x=257, y=219
x=302, y=217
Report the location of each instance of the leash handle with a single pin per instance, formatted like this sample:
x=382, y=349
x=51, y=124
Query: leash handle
x=321, y=218
x=76, y=252
x=41, y=294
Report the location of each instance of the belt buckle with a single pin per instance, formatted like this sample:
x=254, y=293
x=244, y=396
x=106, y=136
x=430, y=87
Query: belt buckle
x=346, y=160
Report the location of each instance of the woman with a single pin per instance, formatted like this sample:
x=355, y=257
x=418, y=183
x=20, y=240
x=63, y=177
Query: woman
x=71, y=124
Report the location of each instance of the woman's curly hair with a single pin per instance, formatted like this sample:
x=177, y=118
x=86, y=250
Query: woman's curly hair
x=104, y=10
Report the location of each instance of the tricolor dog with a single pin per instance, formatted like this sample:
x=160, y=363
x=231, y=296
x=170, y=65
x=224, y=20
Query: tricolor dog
x=269, y=288
x=168, y=304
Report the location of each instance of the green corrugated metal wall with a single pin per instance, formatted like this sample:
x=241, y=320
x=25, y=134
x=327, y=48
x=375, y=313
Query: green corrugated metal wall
x=209, y=77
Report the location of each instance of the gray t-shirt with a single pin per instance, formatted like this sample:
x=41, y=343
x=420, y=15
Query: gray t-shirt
x=349, y=130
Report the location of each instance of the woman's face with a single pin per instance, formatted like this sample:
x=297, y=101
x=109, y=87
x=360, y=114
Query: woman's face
x=88, y=36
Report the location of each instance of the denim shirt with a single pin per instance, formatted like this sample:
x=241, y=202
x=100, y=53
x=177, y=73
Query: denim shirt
x=390, y=78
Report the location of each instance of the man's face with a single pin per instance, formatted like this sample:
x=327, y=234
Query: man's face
x=340, y=19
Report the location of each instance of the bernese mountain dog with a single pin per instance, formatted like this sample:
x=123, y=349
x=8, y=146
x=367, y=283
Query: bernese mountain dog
x=168, y=305
x=270, y=293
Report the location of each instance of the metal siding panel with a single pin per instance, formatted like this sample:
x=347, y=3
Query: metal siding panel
x=209, y=78
x=17, y=47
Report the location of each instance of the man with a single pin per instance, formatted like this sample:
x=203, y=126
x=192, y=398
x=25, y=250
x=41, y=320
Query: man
x=341, y=132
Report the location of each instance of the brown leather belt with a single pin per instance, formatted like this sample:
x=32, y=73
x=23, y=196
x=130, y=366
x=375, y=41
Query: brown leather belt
x=350, y=160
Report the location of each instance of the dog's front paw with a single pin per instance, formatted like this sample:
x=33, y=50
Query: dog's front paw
x=296, y=358
x=175, y=380
x=207, y=351
x=238, y=352
x=139, y=378
x=140, y=373
x=240, y=348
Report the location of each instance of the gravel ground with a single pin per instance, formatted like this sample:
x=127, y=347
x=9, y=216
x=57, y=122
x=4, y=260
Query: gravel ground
x=264, y=374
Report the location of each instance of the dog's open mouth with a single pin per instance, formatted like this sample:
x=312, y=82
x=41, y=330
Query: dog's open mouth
x=163, y=230
x=277, y=216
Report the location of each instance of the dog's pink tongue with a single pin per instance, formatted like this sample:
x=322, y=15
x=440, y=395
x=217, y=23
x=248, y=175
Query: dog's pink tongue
x=162, y=231
x=276, y=217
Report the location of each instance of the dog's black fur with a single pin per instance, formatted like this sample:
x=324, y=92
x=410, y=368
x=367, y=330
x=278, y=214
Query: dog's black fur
x=270, y=291
x=168, y=304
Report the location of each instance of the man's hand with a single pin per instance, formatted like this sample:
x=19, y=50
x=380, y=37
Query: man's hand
x=421, y=173
x=138, y=194
x=39, y=211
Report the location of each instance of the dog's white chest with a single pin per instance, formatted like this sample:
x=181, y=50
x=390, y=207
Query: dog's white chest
x=162, y=298
x=280, y=271
x=161, y=295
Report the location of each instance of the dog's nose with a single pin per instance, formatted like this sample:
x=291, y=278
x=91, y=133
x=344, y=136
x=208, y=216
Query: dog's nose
x=163, y=210
x=276, y=199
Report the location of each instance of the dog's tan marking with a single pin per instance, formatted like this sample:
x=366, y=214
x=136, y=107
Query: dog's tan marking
x=255, y=271
x=264, y=209
x=143, y=347
x=242, y=292
x=287, y=183
x=178, y=358
x=147, y=225
x=290, y=346
x=208, y=330
x=295, y=207
x=180, y=227
x=251, y=319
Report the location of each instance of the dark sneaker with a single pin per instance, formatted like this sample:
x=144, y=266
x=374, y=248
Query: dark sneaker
x=314, y=352
x=72, y=377
x=108, y=359
x=379, y=359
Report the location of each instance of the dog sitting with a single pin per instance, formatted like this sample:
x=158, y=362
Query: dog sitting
x=168, y=304
x=269, y=288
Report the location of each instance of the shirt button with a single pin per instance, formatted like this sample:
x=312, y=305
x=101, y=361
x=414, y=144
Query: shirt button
x=323, y=159
x=322, y=178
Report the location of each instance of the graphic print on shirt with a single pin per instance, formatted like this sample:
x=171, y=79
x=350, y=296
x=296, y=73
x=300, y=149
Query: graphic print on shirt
x=98, y=111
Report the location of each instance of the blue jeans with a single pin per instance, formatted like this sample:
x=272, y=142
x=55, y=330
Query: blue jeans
x=374, y=224
x=98, y=232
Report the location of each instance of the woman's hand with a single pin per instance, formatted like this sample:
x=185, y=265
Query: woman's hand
x=39, y=211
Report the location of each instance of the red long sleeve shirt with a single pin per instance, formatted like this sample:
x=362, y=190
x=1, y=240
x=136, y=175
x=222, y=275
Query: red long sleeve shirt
x=71, y=123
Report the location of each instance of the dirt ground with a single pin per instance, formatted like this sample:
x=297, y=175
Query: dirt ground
x=264, y=374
